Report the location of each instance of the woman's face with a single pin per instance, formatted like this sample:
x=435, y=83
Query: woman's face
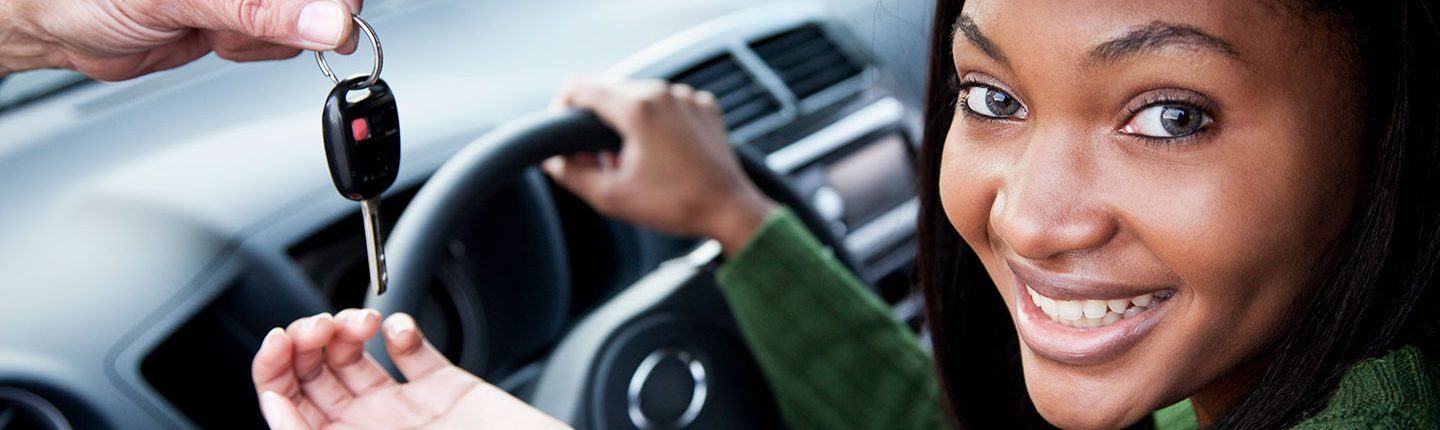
x=1149, y=184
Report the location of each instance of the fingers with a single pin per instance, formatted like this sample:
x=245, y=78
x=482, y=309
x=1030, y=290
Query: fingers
x=239, y=47
x=683, y=92
x=273, y=371
x=676, y=161
x=355, y=6
x=582, y=174
x=409, y=350
x=280, y=413
x=318, y=25
x=353, y=40
x=631, y=105
x=623, y=105
x=274, y=52
x=350, y=44
x=710, y=108
x=320, y=385
x=702, y=105
x=346, y=356
x=707, y=100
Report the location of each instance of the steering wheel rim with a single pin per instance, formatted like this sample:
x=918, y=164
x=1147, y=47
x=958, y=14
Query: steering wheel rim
x=479, y=170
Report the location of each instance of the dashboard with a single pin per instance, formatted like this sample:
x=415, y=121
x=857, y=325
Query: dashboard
x=155, y=229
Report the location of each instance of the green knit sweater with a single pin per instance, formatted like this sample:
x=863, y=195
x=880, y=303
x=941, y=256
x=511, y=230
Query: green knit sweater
x=835, y=358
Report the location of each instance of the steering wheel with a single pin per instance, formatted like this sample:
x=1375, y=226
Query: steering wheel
x=493, y=162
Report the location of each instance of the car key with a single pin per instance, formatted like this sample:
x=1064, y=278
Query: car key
x=362, y=144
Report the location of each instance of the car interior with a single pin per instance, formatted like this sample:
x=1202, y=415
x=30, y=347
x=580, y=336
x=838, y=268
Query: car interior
x=159, y=227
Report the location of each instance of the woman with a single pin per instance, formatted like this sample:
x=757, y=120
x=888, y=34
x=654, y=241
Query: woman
x=1223, y=206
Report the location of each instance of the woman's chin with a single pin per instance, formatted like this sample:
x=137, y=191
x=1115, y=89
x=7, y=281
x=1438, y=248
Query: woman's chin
x=1072, y=402
x=1067, y=416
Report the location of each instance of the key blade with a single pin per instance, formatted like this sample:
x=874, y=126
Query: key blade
x=375, y=244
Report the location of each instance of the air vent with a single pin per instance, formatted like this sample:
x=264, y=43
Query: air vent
x=807, y=60
x=741, y=98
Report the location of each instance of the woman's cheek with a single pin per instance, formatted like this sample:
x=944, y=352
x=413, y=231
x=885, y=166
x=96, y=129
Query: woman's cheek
x=971, y=172
x=966, y=193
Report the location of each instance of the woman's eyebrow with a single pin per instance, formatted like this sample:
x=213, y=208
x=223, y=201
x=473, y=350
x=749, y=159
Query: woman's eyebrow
x=964, y=25
x=1156, y=36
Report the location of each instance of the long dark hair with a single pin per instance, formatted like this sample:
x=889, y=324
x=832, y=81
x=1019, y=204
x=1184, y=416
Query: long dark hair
x=1373, y=299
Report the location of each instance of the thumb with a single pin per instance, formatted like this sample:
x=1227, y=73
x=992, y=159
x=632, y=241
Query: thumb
x=581, y=173
x=316, y=25
x=280, y=413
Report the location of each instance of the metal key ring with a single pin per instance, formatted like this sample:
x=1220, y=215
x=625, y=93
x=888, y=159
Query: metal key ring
x=374, y=43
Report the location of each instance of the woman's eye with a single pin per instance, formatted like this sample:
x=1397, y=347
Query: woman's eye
x=1167, y=121
x=990, y=102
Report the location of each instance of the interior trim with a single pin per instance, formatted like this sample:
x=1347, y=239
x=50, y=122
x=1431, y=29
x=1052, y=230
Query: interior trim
x=894, y=226
x=882, y=113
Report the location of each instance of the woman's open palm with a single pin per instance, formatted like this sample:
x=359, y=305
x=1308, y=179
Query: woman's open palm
x=315, y=374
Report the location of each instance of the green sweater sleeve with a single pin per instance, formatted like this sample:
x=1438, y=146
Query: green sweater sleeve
x=833, y=354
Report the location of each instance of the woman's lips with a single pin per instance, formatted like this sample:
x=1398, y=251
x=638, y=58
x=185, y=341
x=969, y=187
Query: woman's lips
x=1084, y=323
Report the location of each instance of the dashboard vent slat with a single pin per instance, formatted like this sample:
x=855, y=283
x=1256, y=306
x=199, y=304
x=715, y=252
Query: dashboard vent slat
x=806, y=59
x=740, y=97
x=748, y=112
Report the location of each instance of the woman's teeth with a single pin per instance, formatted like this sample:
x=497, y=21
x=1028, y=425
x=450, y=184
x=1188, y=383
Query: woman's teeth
x=1094, y=313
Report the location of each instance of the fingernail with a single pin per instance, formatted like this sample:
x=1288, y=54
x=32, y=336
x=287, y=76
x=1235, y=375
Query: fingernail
x=274, y=332
x=322, y=22
x=357, y=321
x=399, y=324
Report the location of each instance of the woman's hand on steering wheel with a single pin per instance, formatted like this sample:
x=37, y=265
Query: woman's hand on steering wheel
x=676, y=171
x=315, y=374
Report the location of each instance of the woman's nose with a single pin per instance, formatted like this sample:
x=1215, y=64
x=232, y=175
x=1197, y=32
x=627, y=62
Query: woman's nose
x=1048, y=205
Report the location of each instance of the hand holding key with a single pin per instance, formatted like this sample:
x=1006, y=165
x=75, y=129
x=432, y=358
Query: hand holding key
x=122, y=39
x=315, y=374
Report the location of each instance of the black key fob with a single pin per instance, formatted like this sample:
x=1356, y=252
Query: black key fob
x=362, y=138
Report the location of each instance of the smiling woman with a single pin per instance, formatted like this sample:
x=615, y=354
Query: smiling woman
x=1219, y=201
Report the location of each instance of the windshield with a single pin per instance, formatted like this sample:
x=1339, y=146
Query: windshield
x=25, y=87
